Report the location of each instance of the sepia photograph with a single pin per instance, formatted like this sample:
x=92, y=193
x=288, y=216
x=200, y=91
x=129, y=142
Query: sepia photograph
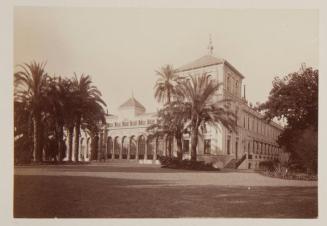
x=151, y=113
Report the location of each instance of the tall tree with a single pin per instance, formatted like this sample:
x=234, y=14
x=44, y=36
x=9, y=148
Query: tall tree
x=60, y=108
x=198, y=93
x=295, y=99
x=30, y=84
x=88, y=102
x=23, y=132
x=165, y=87
x=171, y=122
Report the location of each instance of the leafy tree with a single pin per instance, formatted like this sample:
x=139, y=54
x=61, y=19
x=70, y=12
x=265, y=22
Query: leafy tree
x=165, y=87
x=295, y=99
x=202, y=110
x=23, y=133
x=30, y=83
x=171, y=122
x=88, y=103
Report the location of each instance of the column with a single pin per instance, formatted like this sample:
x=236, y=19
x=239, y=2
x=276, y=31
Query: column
x=113, y=149
x=146, y=148
x=164, y=141
x=129, y=149
x=155, y=149
x=137, y=150
x=105, y=139
x=121, y=148
x=99, y=146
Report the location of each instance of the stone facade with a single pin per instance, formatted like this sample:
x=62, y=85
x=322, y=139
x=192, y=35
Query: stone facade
x=124, y=136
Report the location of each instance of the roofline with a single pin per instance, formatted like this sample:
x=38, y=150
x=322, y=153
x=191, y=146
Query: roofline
x=261, y=116
x=189, y=69
x=141, y=107
x=223, y=62
x=233, y=68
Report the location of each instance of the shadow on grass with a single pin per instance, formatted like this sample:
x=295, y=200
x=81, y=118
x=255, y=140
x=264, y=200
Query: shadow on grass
x=123, y=169
x=89, y=197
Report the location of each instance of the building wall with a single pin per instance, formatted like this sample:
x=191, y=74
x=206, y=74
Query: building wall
x=255, y=139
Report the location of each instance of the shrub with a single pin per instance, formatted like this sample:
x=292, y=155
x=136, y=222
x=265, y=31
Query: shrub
x=267, y=165
x=175, y=163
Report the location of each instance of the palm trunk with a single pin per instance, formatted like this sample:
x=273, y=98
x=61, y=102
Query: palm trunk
x=60, y=142
x=169, y=146
x=194, y=143
x=179, y=146
x=77, y=132
x=42, y=139
x=36, y=138
x=168, y=97
x=70, y=142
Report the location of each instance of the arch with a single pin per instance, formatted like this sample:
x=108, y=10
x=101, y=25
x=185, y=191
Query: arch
x=88, y=148
x=109, y=147
x=82, y=149
x=160, y=146
x=141, y=146
x=124, y=147
x=116, y=148
x=132, y=147
x=169, y=142
x=94, y=147
x=152, y=143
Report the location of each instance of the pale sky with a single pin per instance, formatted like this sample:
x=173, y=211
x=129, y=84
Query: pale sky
x=121, y=48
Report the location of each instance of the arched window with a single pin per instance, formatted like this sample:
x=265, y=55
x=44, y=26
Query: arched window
x=236, y=88
x=228, y=83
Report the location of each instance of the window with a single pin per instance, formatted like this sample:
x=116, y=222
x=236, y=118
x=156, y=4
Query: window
x=244, y=122
x=141, y=122
x=207, y=146
x=150, y=121
x=133, y=123
x=186, y=146
x=236, y=149
x=228, y=145
x=236, y=88
x=228, y=83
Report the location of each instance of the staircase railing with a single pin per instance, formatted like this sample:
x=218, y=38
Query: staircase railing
x=239, y=162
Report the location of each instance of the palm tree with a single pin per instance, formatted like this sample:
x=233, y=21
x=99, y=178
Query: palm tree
x=171, y=122
x=198, y=92
x=165, y=87
x=88, y=102
x=60, y=107
x=30, y=84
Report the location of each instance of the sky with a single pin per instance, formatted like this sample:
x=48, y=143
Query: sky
x=122, y=47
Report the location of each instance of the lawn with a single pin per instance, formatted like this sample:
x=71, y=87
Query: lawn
x=93, y=197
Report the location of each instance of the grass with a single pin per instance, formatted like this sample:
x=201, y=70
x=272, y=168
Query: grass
x=91, y=197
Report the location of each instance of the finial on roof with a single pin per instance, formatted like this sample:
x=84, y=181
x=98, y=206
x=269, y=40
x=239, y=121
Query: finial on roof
x=132, y=93
x=210, y=46
x=303, y=67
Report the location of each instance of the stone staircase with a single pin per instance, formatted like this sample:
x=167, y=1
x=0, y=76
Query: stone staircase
x=235, y=163
x=231, y=164
x=240, y=161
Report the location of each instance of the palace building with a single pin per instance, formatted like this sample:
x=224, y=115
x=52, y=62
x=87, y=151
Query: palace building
x=124, y=137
